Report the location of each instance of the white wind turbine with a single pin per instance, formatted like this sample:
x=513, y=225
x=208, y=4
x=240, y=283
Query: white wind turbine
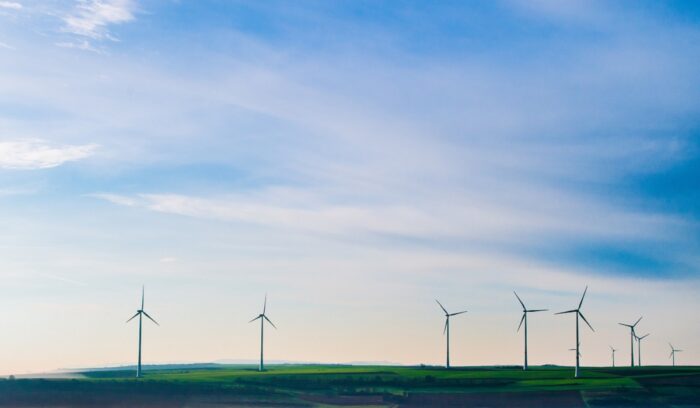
x=639, y=348
x=613, y=350
x=524, y=320
x=673, y=353
x=447, y=328
x=262, y=316
x=632, y=336
x=578, y=314
x=140, y=313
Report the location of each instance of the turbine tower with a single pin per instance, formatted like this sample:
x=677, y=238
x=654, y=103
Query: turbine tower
x=613, y=350
x=673, y=353
x=639, y=349
x=447, y=328
x=140, y=313
x=262, y=316
x=578, y=314
x=632, y=336
x=524, y=320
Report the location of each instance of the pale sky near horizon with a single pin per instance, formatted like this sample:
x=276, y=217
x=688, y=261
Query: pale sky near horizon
x=355, y=160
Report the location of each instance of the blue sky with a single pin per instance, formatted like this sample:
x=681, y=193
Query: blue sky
x=355, y=160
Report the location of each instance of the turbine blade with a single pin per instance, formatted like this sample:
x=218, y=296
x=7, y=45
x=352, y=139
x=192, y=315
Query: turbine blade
x=670, y=355
x=270, y=321
x=256, y=318
x=265, y=305
x=519, y=300
x=132, y=317
x=635, y=323
x=670, y=345
x=522, y=319
x=627, y=325
x=568, y=311
x=455, y=314
x=441, y=306
x=146, y=314
x=640, y=338
x=584, y=295
x=143, y=295
x=584, y=319
x=537, y=310
x=445, y=329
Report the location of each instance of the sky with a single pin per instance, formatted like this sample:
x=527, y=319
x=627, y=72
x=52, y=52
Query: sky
x=355, y=160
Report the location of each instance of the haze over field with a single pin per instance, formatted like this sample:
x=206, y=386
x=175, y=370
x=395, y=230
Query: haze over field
x=354, y=160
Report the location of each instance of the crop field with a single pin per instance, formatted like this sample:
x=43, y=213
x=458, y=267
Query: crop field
x=348, y=386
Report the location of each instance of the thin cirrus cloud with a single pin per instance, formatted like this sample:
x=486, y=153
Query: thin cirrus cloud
x=10, y=5
x=467, y=218
x=92, y=18
x=38, y=154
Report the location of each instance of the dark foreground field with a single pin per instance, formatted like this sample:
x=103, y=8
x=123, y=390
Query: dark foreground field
x=326, y=386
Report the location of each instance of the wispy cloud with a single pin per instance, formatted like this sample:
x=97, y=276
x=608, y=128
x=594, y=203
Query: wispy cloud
x=80, y=45
x=117, y=199
x=62, y=279
x=467, y=218
x=38, y=154
x=92, y=18
x=10, y=5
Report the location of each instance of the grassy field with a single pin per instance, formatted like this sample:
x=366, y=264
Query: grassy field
x=380, y=386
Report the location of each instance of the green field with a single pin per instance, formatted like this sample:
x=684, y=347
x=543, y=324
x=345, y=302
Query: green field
x=329, y=385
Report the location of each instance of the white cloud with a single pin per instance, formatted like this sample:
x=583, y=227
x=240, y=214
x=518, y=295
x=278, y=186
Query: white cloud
x=117, y=199
x=38, y=154
x=10, y=5
x=92, y=17
x=6, y=46
x=79, y=45
x=466, y=218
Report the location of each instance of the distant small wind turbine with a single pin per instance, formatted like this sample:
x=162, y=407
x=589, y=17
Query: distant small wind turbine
x=262, y=316
x=576, y=350
x=524, y=319
x=632, y=335
x=673, y=353
x=447, y=328
x=639, y=349
x=578, y=314
x=613, y=350
x=140, y=313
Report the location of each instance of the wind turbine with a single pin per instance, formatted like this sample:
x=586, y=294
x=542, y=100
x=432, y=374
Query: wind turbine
x=447, y=328
x=262, y=316
x=613, y=350
x=524, y=319
x=632, y=335
x=673, y=353
x=578, y=353
x=578, y=313
x=639, y=349
x=140, y=313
